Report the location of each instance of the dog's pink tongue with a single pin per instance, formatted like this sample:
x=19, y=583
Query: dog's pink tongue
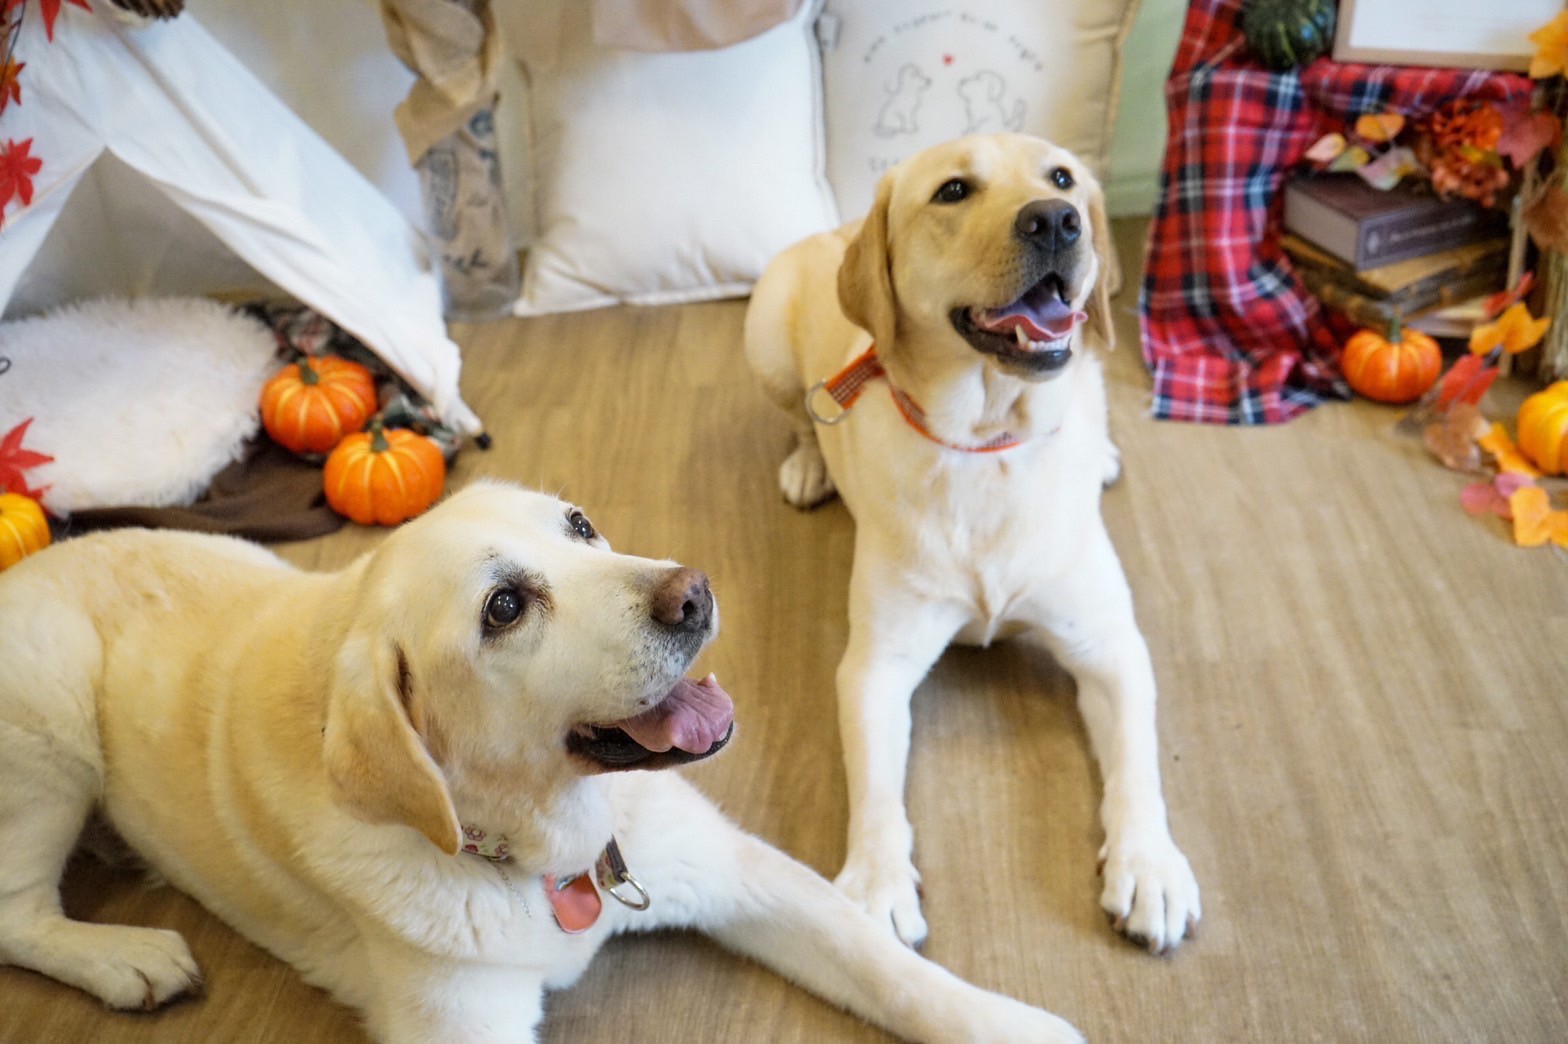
x=1042, y=320
x=693, y=717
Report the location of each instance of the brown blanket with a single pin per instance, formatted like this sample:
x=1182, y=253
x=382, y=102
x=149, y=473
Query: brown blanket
x=269, y=494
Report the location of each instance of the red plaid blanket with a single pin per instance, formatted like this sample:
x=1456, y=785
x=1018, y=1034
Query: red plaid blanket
x=1230, y=334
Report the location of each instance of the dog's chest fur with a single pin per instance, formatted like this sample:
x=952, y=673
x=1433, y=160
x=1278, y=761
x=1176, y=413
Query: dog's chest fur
x=982, y=530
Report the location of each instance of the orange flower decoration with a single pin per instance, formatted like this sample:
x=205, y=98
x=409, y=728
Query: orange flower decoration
x=1514, y=331
x=1551, y=48
x=1502, y=448
x=1460, y=151
x=1534, y=520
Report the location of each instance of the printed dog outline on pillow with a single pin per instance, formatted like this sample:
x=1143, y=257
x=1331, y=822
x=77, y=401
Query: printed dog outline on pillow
x=984, y=111
x=898, y=112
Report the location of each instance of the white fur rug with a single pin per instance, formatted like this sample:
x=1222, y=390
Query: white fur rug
x=139, y=402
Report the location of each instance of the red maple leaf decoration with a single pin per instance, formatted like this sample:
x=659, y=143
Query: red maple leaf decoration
x=50, y=9
x=16, y=171
x=10, y=89
x=14, y=460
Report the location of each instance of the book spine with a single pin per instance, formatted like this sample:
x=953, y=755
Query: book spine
x=1389, y=238
x=1378, y=313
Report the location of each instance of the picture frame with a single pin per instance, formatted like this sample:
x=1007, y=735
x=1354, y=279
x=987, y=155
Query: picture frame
x=1461, y=34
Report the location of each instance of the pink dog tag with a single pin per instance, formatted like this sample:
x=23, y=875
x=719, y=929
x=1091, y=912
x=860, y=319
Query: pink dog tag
x=575, y=903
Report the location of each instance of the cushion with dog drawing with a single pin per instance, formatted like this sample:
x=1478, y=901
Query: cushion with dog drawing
x=901, y=76
x=664, y=177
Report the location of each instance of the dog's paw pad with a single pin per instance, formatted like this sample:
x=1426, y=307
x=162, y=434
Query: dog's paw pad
x=1150, y=894
x=803, y=477
x=892, y=899
x=141, y=968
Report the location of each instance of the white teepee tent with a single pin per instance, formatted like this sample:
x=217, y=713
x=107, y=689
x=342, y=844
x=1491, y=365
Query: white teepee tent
x=165, y=161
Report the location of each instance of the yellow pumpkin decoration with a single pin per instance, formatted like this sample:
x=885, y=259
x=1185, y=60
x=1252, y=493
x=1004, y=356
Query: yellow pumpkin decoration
x=23, y=528
x=1543, y=428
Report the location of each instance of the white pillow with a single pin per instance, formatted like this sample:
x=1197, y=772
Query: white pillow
x=670, y=177
x=900, y=77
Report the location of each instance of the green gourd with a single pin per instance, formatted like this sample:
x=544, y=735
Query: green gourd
x=1284, y=34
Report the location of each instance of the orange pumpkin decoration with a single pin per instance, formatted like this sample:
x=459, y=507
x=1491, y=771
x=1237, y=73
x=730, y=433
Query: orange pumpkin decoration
x=384, y=475
x=1397, y=368
x=308, y=406
x=1543, y=428
x=23, y=528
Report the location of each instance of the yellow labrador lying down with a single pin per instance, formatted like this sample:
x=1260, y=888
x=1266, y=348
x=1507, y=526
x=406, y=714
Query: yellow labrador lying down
x=309, y=755
x=931, y=360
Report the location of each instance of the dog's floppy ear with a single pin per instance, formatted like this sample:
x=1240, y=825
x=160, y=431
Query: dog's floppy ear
x=865, y=279
x=1099, y=326
x=381, y=768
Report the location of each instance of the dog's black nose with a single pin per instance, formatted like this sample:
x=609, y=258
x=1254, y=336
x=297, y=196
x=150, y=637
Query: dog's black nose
x=682, y=600
x=1051, y=223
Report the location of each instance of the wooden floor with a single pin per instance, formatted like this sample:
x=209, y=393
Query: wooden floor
x=1364, y=719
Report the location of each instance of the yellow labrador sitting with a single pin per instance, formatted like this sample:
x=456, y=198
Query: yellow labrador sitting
x=932, y=360
x=309, y=755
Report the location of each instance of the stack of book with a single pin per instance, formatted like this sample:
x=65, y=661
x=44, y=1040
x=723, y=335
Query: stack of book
x=1378, y=255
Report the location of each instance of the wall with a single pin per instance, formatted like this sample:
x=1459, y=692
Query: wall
x=1139, y=142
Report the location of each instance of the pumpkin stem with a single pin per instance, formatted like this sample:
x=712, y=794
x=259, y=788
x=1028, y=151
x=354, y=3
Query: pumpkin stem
x=1395, y=328
x=378, y=440
x=306, y=374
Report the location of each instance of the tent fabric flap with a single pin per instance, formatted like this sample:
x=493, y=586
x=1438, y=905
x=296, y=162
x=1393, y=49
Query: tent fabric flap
x=170, y=103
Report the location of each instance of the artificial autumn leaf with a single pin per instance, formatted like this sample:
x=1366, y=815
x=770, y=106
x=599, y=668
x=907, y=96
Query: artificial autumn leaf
x=1451, y=437
x=14, y=460
x=1390, y=168
x=1551, y=48
x=16, y=171
x=1526, y=138
x=1480, y=498
x=1353, y=158
x=1534, y=520
x=1514, y=331
x=1466, y=381
x=10, y=88
x=50, y=9
x=1493, y=305
x=1546, y=218
x=1506, y=454
x=1326, y=149
x=1379, y=127
x=1491, y=498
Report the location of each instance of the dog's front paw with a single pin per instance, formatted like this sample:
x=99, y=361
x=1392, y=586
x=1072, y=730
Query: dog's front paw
x=891, y=895
x=804, y=476
x=1111, y=471
x=1150, y=893
x=138, y=967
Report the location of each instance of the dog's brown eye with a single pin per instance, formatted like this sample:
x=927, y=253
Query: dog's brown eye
x=952, y=191
x=581, y=526
x=1062, y=178
x=503, y=608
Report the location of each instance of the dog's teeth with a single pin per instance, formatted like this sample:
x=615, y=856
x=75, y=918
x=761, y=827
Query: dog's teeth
x=1022, y=338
